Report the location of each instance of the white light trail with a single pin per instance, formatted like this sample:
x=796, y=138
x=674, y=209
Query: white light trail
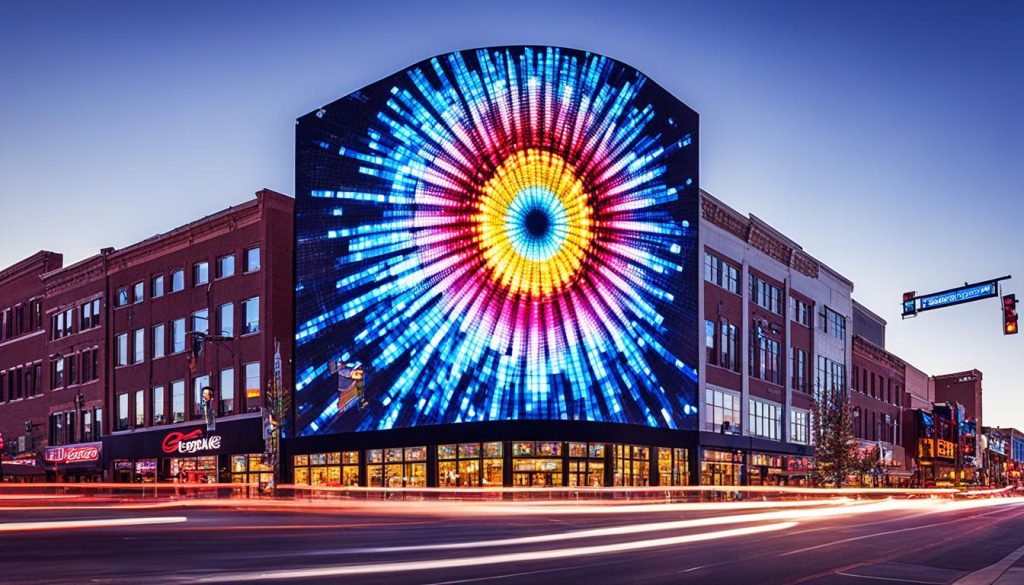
x=340, y=570
x=76, y=524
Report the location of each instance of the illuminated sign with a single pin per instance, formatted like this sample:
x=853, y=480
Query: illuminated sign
x=192, y=442
x=73, y=454
x=957, y=296
x=926, y=448
x=945, y=449
x=498, y=234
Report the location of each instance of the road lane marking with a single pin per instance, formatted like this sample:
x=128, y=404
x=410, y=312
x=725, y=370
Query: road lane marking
x=542, y=555
x=76, y=524
x=991, y=573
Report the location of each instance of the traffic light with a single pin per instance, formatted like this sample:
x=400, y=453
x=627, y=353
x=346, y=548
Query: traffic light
x=910, y=304
x=28, y=426
x=1010, y=314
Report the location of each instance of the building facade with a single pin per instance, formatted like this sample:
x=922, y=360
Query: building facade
x=106, y=359
x=198, y=308
x=775, y=332
x=23, y=410
x=962, y=391
x=76, y=374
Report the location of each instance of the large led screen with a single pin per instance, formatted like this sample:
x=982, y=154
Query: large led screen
x=497, y=234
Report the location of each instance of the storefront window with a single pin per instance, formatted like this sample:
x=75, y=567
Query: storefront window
x=673, y=466
x=721, y=468
x=765, y=469
x=632, y=465
x=469, y=465
x=586, y=465
x=536, y=463
x=401, y=467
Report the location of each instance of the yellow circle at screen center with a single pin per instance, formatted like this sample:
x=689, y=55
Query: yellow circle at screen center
x=530, y=191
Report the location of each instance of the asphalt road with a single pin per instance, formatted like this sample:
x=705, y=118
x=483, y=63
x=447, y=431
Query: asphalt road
x=922, y=541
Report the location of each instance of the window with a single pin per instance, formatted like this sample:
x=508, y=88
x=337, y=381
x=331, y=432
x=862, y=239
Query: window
x=158, y=415
x=764, y=355
x=730, y=278
x=765, y=419
x=252, y=259
x=198, y=383
x=97, y=423
x=61, y=324
x=832, y=322
x=225, y=266
x=723, y=411
x=86, y=426
x=730, y=347
x=90, y=364
x=90, y=315
x=226, y=319
x=799, y=368
x=140, y=346
x=178, y=335
x=801, y=312
x=766, y=295
x=177, y=280
x=725, y=275
x=137, y=293
x=799, y=426
x=122, y=349
x=121, y=297
x=158, y=340
x=71, y=372
x=140, y=408
x=709, y=341
x=227, y=391
x=201, y=321
x=830, y=376
x=178, y=401
x=712, y=268
x=56, y=374
x=251, y=314
x=200, y=273
x=253, y=387
x=122, y=411
x=156, y=286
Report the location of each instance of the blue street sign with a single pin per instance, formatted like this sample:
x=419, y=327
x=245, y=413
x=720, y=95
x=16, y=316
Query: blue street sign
x=956, y=296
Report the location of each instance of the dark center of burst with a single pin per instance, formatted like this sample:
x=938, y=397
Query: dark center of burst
x=537, y=223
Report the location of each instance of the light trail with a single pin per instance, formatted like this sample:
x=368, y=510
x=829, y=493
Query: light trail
x=78, y=524
x=631, y=529
x=392, y=567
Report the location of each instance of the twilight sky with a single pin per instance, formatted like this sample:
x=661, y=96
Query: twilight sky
x=886, y=140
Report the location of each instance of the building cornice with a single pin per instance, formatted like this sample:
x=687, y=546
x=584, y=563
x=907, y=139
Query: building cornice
x=43, y=259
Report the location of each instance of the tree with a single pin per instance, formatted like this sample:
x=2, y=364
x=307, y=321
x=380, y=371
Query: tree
x=834, y=444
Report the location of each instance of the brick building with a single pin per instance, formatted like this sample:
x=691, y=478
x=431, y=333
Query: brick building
x=775, y=331
x=23, y=409
x=76, y=350
x=98, y=356
x=877, y=387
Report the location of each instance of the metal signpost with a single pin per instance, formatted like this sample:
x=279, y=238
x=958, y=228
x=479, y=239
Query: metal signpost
x=968, y=293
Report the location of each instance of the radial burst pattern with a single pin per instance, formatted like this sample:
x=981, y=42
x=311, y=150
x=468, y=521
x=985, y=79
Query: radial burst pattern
x=506, y=233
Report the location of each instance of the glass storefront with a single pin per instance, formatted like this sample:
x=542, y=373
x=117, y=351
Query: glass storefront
x=765, y=469
x=194, y=469
x=536, y=463
x=397, y=467
x=469, y=465
x=721, y=468
x=586, y=464
x=250, y=469
x=334, y=469
x=673, y=466
x=632, y=465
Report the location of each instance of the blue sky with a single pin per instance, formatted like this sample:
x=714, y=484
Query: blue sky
x=883, y=137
